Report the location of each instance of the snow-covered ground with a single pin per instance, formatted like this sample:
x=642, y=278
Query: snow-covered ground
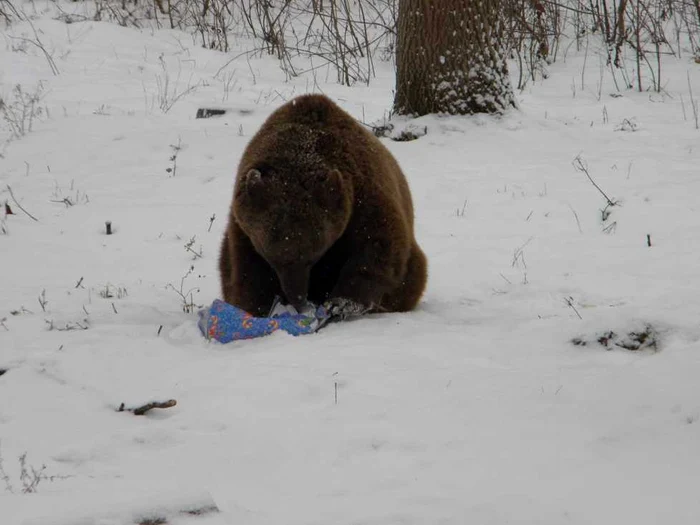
x=476, y=408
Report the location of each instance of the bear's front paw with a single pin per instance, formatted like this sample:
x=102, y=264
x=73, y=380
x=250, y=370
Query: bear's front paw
x=342, y=308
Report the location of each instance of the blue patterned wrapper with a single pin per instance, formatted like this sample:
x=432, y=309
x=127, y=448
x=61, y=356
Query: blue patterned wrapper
x=225, y=323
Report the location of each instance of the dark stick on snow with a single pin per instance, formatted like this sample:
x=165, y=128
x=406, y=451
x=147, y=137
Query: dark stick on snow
x=108, y=227
x=140, y=411
x=209, y=112
x=8, y=210
x=649, y=240
x=19, y=205
x=159, y=330
x=580, y=165
x=79, y=282
x=42, y=300
x=114, y=308
x=570, y=302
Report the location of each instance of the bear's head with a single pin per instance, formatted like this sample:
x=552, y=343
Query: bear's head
x=292, y=216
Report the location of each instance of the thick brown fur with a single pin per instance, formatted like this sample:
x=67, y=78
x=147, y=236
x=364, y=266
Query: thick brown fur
x=321, y=210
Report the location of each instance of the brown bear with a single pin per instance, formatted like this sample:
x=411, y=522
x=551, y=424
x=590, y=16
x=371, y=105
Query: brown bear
x=321, y=212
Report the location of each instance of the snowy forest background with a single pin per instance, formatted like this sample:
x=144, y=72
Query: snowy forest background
x=549, y=374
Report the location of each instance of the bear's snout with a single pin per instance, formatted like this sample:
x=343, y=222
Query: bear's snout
x=294, y=280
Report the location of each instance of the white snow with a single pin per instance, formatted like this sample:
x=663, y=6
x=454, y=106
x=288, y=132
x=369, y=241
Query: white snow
x=475, y=408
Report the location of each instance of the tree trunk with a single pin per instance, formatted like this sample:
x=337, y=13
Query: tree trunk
x=450, y=58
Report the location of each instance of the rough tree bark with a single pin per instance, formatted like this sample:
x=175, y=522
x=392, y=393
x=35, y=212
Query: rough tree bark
x=450, y=59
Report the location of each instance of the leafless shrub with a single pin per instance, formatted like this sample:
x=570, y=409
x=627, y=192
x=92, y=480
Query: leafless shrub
x=646, y=338
x=627, y=124
x=343, y=35
x=267, y=20
x=581, y=166
x=340, y=34
x=70, y=197
x=110, y=291
x=172, y=169
x=634, y=33
x=535, y=31
x=42, y=300
x=169, y=90
x=189, y=247
x=8, y=12
x=186, y=295
x=22, y=109
x=29, y=476
x=34, y=40
x=67, y=326
x=136, y=15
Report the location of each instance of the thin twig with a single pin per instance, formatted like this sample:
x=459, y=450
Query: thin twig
x=5, y=477
x=19, y=205
x=570, y=302
x=140, y=411
x=580, y=165
x=576, y=217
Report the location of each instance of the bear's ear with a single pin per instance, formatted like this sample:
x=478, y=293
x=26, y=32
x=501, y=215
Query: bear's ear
x=252, y=177
x=251, y=185
x=334, y=180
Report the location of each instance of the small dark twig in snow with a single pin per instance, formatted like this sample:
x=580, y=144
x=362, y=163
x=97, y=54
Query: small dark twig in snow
x=187, y=297
x=582, y=166
x=211, y=221
x=5, y=477
x=649, y=240
x=140, y=411
x=65, y=201
x=19, y=205
x=570, y=302
x=173, y=158
x=188, y=247
x=576, y=217
x=610, y=228
x=42, y=300
x=460, y=213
